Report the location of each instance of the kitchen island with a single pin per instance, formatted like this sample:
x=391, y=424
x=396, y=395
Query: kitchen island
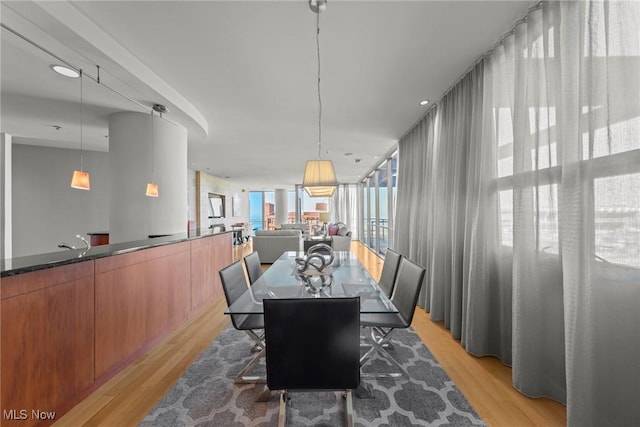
x=70, y=320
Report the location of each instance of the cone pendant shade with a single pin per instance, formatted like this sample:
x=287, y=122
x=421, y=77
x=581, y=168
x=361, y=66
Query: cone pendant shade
x=80, y=180
x=152, y=189
x=319, y=178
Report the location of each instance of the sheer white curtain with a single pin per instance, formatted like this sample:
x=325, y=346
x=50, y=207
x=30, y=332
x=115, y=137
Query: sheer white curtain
x=412, y=227
x=527, y=212
x=346, y=205
x=598, y=87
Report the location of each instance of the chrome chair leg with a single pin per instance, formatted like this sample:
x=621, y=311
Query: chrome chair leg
x=348, y=408
x=378, y=340
x=282, y=415
x=242, y=378
x=257, y=338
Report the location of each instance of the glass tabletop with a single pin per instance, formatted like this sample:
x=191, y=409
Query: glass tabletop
x=344, y=277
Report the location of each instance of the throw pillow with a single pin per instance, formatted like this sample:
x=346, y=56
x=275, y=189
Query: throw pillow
x=343, y=230
x=333, y=230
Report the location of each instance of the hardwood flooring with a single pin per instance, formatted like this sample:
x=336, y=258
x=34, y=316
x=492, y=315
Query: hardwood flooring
x=130, y=395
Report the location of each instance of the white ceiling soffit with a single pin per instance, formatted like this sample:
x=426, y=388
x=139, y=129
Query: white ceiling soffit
x=91, y=43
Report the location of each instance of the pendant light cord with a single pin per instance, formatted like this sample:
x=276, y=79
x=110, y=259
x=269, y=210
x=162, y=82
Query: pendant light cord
x=152, y=138
x=81, y=119
x=319, y=97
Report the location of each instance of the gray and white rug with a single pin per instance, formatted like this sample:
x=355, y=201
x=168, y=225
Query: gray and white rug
x=206, y=395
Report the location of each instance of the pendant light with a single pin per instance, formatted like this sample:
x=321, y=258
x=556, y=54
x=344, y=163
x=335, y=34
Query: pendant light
x=152, y=187
x=80, y=178
x=319, y=178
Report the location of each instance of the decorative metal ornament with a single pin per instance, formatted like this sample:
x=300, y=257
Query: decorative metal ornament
x=315, y=258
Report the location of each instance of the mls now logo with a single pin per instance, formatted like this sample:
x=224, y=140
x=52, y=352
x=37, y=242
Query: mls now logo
x=14, y=414
x=23, y=414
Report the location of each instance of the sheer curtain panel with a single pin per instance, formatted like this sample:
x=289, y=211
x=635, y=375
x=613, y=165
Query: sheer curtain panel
x=520, y=193
x=346, y=205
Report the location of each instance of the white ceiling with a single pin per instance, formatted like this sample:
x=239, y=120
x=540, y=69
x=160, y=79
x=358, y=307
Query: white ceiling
x=241, y=76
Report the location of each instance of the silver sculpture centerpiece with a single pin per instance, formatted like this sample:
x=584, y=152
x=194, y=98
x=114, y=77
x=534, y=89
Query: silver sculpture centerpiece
x=313, y=269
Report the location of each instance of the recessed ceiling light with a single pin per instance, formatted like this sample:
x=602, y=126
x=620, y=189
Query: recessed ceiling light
x=65, y=71
x=423, y=102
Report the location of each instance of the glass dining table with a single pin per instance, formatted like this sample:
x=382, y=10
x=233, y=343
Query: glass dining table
x=345, y=276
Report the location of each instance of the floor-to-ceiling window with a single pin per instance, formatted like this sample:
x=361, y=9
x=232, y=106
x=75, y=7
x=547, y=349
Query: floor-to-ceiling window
x=262, y=212
x=378, y=207
x=373, y=211
x=314, y=211
x=300, y=208
x=393, y=187
x=383, y=207
x=366, y=215
x=255, y=209
x=292, y=215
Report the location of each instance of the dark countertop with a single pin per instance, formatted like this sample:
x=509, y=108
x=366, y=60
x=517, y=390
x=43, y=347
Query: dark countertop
x=25, y=264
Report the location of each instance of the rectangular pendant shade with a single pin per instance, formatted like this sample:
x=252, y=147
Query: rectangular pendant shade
x=320, y=191
x=80, y=180
x=319, y=178
x=152, y=189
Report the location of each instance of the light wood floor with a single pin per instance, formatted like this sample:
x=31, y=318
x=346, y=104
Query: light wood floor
x=130, y=395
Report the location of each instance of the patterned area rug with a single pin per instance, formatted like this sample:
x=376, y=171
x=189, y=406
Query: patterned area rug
x=206, y=395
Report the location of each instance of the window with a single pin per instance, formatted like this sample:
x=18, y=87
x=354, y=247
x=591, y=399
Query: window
x=617, y=219
x=378, y=207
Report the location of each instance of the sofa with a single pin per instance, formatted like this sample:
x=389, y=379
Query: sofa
x=341, y=243
x=340, y=236
x=270, y=244
x=303, y=227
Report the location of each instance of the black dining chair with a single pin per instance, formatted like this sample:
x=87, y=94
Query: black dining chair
x=313, y=344
x=253, y=266
x=234, y=284
x=389, y=271
x=381, y=325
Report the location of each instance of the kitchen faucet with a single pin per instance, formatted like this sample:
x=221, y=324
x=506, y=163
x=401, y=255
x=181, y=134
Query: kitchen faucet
x=87, y=245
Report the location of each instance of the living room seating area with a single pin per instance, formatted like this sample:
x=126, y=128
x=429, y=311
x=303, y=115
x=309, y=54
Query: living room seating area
x=296, y=237
x=270, y=244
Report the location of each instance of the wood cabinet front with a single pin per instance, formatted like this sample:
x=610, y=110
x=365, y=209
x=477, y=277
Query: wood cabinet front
x=140, y=296
x=208, y=257
x=68, y=329
x=47, y=341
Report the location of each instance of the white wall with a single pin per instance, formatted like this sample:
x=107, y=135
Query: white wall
x=191, y=197
x=45, y=209
x=213, y=184
x=132, y=215
x=6, y=228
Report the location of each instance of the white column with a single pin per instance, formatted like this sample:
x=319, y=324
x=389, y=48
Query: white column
x=282, y=207
x=6, y=222
x=133, y=215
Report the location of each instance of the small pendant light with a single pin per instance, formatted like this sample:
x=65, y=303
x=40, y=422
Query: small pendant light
x=152, y=187
x=80, y=178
